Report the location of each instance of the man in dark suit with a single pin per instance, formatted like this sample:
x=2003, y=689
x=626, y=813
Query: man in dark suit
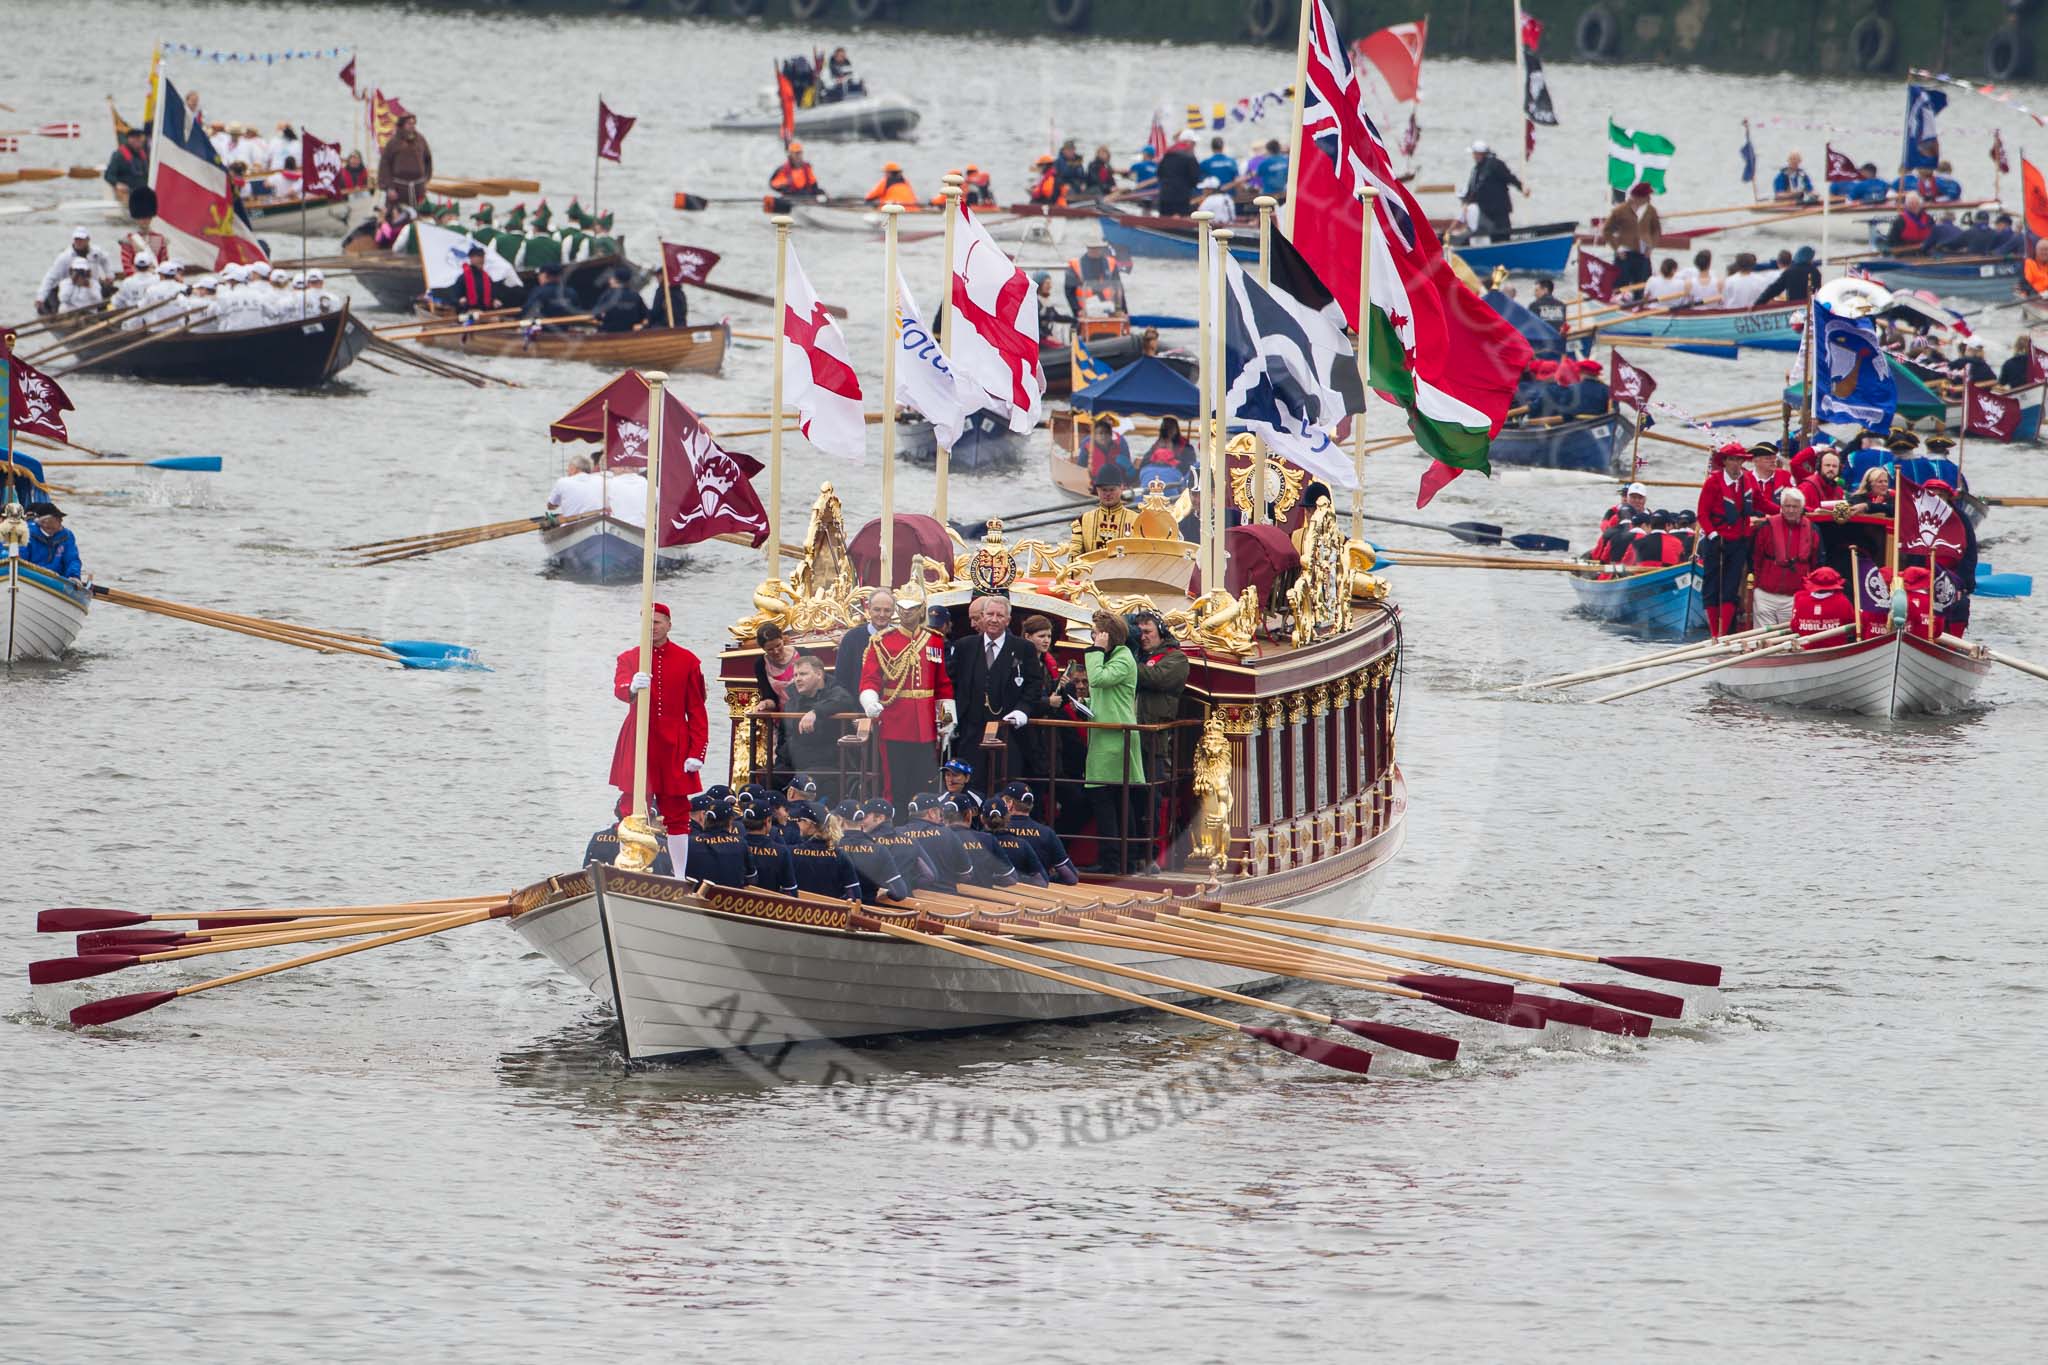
x=853, y=646
x=996, y=676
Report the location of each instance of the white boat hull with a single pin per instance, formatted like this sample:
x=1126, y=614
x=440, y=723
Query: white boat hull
x=883, y=116
x=686, y=980
x=44, y=613
x=1891, y=675
x=604, y=549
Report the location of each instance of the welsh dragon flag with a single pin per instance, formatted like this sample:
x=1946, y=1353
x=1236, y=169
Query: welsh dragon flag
x=1437, y=349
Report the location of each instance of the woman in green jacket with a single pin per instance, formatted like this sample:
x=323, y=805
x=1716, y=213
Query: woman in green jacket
x=1115, y=757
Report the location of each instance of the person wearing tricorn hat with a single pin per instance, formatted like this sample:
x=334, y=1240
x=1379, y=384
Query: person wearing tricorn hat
x=1724, y=512
x=678, y=730
x=1821, y=604
x=1108, y=521
x=905, y=690
x=50, y=543
x=1765, y=480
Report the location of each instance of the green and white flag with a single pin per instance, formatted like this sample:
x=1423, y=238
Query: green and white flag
x=1635, y=158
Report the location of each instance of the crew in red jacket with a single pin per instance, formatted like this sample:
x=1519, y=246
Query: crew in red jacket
x=1766, y=479
x=677, y=729
x=1785, y=548
x=1725, y=511
x=1821, y=604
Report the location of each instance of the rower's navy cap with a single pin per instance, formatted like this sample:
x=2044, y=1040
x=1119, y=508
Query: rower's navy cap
x=718, y=792
x=701, y=802
x=807, y=810
x=1017, y=791
x=878, y=806
x=846, y=810
x=802, y=782
x=924, y=801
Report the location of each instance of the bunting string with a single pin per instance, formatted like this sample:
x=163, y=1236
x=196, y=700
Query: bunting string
x=1986, y=91
x=207, y=54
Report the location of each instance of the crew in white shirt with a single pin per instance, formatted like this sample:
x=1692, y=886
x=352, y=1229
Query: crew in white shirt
x=317, y=296
x=1665, y=284
x=577, y=491
x=626, y=494
x=81, y=248
x=165, y=298
x=1215, y=201
x=131, y=290
x=78, y=291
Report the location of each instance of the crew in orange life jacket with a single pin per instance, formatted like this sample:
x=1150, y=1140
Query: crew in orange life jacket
x=796, y=178
x=975, y=183
x=473, y=291
x=892, y=188
x=1095, y=278
x=1821, y=604
x=1724, y=513
x=1048, y=188
x=1658, y=545
x=1765, y=480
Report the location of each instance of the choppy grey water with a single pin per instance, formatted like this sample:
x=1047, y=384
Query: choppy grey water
x=432, y=1149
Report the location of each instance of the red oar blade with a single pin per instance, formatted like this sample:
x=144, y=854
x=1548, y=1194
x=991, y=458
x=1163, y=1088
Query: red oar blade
x=51, y=970
x=77, y=919
x=1514, y=1015
x=118, y=1007
x=130, y=940
x=1434, y=1046
x=1630, y=998
x=1668, y=969
x=1458, y=988
x=1597, y=1017
x=1338, y=1055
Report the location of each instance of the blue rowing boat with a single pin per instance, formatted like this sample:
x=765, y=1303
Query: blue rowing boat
x=1971, y=277
x=1598, y=445
x=1127, y=238
x=1666, y=604
x=1769, y=328
x=1545, y=255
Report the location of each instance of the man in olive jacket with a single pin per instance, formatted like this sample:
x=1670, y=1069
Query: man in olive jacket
x=1162, y=677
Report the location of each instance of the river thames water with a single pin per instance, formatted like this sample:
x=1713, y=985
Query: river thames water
x=433, y=1150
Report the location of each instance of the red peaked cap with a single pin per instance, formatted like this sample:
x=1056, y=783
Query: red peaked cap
x=661, y=609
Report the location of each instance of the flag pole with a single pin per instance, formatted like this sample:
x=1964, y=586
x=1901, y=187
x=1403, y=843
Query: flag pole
x=633, y=855
x=1806, y=403
x=597, y=157
x=942, y=458
x=1294, y=137
x=1266, y=204
x=1521, y=92
x=1368, y=197
x=782, y=223
x=1826, y=194
x=1204, y=364
x=1218, y=468
x=892, y=331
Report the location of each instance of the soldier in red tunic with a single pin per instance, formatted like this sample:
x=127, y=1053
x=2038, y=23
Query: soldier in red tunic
x=906, y=692
x=677, y=730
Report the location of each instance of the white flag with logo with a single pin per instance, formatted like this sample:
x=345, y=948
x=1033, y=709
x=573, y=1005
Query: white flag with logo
x=444, y=253
x=924, y=380
x=995, y=324
x=817, y=371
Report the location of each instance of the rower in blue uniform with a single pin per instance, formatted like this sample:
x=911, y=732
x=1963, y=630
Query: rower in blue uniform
x=1018, y=800
x=773, y=868
x=821, y=868
x=604, y=848
x=878, y=821
x=1015, y=849
x=717, y=854
x=986, y=863
x=880, y=877
x=945, y=858
x=956, y=775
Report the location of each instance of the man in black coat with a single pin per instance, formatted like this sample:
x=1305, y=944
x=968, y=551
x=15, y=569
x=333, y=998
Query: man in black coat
x=1179, y=172
x=810, y=740
x=853, y=646
x=997, y=677
x=620, y=308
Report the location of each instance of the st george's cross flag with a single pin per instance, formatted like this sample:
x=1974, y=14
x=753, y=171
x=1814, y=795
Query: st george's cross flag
x=817, y=371
x=611, y=131
x=320, y=168
x=924, y=379
x=995, y=324
x=202, y=222
x=1449, y=360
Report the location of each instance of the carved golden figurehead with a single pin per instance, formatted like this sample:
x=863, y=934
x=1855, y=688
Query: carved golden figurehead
x=818, y=596
x=1321, y=597
x=1212, y=791
x=1155, y=519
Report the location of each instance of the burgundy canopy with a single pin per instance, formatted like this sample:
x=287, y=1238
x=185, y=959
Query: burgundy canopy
x=915, y=535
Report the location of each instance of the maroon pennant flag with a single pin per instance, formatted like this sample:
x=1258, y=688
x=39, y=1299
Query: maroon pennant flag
x=2037, y=366
x=1840, y=167
x=1994, y=416
x=1927, y=524
x=320, y=168
x=35, y=403
x=706, y=490
x=1598, y=279
x=687, y=264
x=348, y=75
x=1998, y=160
x=1627, y=384
x=611, y=131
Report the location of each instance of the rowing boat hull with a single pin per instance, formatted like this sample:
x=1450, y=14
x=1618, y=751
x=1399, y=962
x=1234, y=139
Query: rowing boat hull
x=1597, y=445
x=320, y=211
x=1769, y=329
x=1127, y=238
x=1891, y=675
x=1529, y=256
x=1663, y=605
x=44, y=613
x=699, y=349
x=288, y=355
x=1989, y=281
x=879, y=117
x=687, y=980
x=395, y=282
x=601, y=550
x=986, y=444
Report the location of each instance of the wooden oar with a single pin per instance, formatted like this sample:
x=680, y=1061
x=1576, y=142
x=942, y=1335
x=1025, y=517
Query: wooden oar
x=1631, y=998
x=50, y=323
x=1677, y=441
x=448, y=329
x=1765, y=653
x=413, y=546
x=1678, y=970
x=1477, y=532
x=102, y=357
x=2021, y=665
x=123, y=1006
x=414, y=654
x=411, y=323
x=73, y=919
x=1681, y=653
x=1339, y=1056
x=1434, y=1046
x=2017, y=502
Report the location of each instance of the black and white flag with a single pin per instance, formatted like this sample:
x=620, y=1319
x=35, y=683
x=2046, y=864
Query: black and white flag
x=1536, y=104
x=1288, y=369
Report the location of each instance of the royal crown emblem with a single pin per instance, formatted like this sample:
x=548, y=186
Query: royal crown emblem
x=992, y=568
